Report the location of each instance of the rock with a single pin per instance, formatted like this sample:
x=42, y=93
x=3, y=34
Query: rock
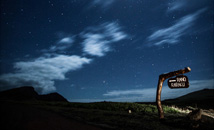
x=195, y=115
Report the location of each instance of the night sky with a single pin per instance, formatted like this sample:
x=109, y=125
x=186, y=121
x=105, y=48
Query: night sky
x=105, y=50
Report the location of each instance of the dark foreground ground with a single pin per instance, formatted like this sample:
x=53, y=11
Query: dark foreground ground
x=37, y=115
x=19, y=116
x=24, y=109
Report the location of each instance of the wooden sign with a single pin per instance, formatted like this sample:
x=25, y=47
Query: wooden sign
x=173, y=83
x=180, y=81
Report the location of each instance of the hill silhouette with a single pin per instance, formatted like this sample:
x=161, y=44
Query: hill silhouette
x=28, y=93
x=202, y=98
x=52, y=97
x=197, y=95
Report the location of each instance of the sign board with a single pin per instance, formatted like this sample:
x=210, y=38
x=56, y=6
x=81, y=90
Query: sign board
x=180, y=81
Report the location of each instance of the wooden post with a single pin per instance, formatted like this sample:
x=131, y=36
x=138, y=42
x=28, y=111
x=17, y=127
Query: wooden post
x=158, y=97
x=162, y=78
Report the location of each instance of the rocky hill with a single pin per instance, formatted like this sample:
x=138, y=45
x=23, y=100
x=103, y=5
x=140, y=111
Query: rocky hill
x=28, y=93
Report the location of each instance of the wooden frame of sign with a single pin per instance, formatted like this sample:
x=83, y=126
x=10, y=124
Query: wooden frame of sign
x=162, y=78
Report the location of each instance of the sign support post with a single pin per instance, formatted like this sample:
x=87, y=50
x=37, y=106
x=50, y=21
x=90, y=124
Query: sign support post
x=162, y=78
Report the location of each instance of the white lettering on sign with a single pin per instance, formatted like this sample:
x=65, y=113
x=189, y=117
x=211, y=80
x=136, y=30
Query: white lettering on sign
x=175, y=85
x=178, y=82
x=172, y=81
x=181, y=79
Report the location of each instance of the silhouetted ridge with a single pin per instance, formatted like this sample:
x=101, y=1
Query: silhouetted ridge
x=52, y=97
x=197, y=95
x=202, y=99
x=22, y=93
x=28, y=93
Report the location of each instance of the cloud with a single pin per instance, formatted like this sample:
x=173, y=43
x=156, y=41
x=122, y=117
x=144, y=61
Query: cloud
x=104, y=4
x=149, y=94
x=94, y=45
x=124, y=92
x=176, y=5
x=41, y=72
x=172, y=34
x=52, y=65
x=61, y=46
x=66, y=40
x=97, y=39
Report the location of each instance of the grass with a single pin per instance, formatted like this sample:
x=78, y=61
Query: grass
x=110, y=106
x=112, y=115
x=115, y=115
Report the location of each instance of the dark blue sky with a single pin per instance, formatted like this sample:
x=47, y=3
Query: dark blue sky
x=112, y=50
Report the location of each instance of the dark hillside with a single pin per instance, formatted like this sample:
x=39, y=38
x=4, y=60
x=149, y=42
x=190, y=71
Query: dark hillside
x=52, y=112
x=202, y=99
x=52, y=97
x=27, y=93
x=22, y=93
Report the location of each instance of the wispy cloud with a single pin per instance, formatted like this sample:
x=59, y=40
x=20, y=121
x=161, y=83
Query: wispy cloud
x=149, y=94
x=97, y=39
x=53, y=64
x=104, y=4
x=176, y=5
x=42, y=72
x=66, y=40
x=61, y=46
x=124, y=92
x=172, y=34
